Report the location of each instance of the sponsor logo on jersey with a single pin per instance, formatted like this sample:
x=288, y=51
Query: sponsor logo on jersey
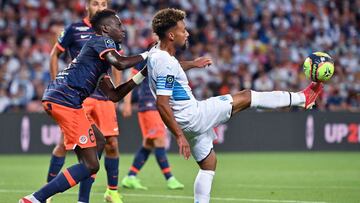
x=84, y=36
x=83, y=139
x=82, y=28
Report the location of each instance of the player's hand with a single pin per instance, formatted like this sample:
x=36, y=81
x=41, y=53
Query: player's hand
x=105, y=84
x=202, y=62
x=127, y=110
x=184, y=147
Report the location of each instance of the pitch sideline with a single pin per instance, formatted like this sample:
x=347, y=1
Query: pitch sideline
x=180, y=197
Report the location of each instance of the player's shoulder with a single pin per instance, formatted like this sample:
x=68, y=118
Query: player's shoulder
x=80, y=27
x=104, y=40
x=159, y=56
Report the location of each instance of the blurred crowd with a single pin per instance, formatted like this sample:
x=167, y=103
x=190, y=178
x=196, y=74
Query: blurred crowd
x=257, y=44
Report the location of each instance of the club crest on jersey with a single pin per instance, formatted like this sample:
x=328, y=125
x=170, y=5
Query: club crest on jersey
x=109, y=43
x=169, y=82
x=83, y=139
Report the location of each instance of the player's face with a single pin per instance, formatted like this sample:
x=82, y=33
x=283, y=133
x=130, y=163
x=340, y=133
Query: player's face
x=181, y=36
x=116, y=30
x=94, y=6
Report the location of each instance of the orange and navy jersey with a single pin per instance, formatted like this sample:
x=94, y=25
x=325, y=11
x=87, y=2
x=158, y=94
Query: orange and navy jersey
x=146, y=100
x=79, y=80
x=72, y=39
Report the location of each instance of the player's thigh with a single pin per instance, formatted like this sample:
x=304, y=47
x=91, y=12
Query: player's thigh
x=213, y=112
x=74, y=125
x=201, y=144
x=104, y=115
x=89, y=104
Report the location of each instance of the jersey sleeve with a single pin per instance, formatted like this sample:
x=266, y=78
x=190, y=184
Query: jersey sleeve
x=65, y=39
x=165, y=75
x=104, y=45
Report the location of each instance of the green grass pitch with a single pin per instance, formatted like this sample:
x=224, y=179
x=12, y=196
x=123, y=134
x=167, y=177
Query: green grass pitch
x=311, y=177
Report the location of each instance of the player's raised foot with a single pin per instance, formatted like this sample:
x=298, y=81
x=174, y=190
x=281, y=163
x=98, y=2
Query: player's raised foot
x=132, y=182
x=112, y=196
x=29, y=199
x=311, y=92
x=174, y=184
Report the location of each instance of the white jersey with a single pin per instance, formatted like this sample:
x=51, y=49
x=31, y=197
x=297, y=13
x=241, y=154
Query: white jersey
x=196, y=118
x=166, y=77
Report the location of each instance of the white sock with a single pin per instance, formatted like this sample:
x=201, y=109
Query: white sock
x=276, y=99
x=202, y=186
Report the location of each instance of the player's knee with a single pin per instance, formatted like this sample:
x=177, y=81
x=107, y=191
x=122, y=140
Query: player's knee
x=148, y=143
x=241, y=100
x=93, y=167
x=160, y=142
x=245, y=95
x=111, y=146
x=59, y=150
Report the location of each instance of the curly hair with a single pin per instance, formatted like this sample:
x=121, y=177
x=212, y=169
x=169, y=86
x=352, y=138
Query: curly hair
x=97, y=20
x=166, y=19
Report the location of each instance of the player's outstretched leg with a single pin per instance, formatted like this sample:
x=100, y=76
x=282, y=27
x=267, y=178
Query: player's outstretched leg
x=131, y=181
x=69, y=177
x=204, y=178
x=112, y=169
x=276, y=99
x=57, y=161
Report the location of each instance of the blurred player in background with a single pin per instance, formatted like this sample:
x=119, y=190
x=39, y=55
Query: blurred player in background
x=191, y=121
x=64, y=96
x=98, y=108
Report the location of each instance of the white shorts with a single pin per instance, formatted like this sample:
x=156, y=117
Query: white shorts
x=206, y=115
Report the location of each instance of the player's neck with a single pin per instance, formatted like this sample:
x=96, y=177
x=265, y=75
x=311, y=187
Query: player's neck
x=168, y=47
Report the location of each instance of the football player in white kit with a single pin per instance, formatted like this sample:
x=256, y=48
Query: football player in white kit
x=192, y=121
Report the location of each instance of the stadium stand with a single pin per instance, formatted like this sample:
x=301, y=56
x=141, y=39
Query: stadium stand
x=254, y=44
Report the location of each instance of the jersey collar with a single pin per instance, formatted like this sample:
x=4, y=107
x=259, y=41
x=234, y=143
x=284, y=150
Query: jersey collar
x=87, y=22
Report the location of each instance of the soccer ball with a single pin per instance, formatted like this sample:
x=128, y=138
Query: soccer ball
x=319, y=67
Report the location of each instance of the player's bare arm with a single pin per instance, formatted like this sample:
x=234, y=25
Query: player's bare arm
x=167, y=116
x=199, y=62
x=127, y=108
x=54, y=58
x=115, y=94
x=123, y=62
x=116, y=75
